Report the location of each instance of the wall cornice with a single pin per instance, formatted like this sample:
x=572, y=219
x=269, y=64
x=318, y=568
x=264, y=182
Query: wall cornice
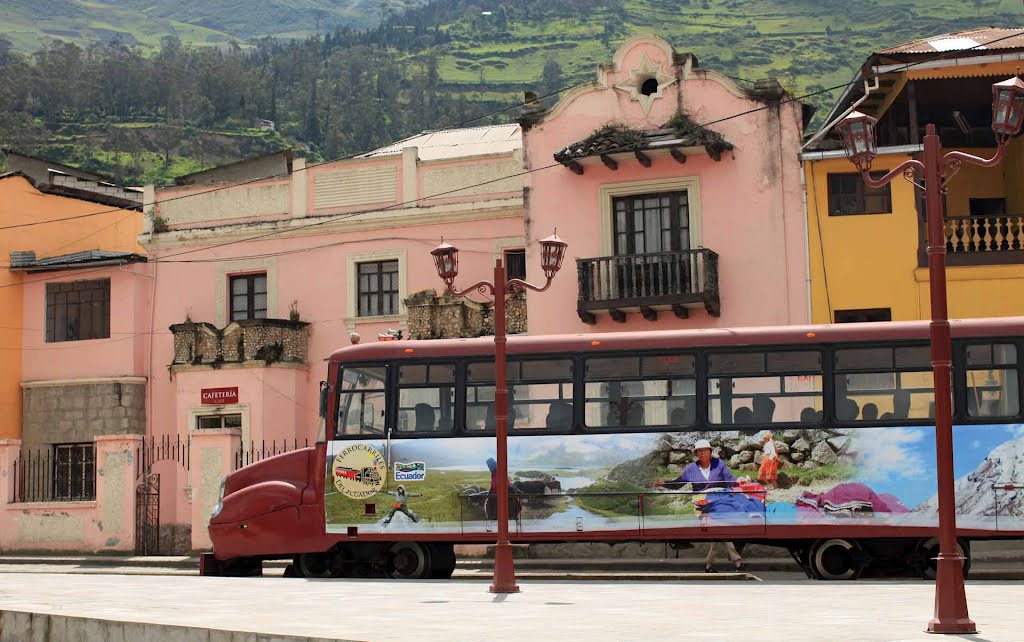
x=295, y=228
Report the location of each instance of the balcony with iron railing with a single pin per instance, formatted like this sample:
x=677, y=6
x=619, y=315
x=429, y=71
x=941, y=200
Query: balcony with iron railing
x=646, y=283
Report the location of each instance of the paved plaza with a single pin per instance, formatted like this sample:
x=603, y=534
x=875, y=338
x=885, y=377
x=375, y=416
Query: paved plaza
x=590, y=611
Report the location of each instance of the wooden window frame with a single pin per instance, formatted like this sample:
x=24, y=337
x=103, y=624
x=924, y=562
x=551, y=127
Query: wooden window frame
x=251, y=311
x=677, y=199
x=221, y=420
x=392, y=296
x=861, y=191
x=89, y=309
x=521, y=272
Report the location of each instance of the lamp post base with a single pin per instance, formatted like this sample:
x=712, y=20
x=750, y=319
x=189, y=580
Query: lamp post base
x=950, y=598
x=504, y=571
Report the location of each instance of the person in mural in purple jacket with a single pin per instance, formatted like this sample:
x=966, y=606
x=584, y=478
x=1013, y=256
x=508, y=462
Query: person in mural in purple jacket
x=704, y=473
x=708, y=472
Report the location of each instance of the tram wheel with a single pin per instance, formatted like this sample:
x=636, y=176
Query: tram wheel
x=315, y=565
x=442, y=561
x=408, y=560
x=928, y=550
x=835, y=559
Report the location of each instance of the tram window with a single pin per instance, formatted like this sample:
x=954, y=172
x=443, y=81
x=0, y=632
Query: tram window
x=637, y=391
x=426, y=398
x=540, y=395
x=864, y=359
x=992, y=385
x=884, y=384
x=915, y=357
x=361, y=401
x=762, y=401
x=668, y=364
x=764, y=388
x=736, y=363
x=522, y=370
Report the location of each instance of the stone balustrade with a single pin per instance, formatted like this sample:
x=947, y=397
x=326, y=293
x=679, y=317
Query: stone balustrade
x=447, y=317
x=268, y=340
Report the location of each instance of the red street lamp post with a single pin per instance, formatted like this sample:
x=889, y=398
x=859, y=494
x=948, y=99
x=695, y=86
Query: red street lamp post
x=446, y=260
x=858, y=133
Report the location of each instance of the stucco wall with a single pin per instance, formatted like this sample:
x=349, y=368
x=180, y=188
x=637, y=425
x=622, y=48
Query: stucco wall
x=184, y=207
x=104, y=525
x=749, y=202
x=122, y=354
x=862, y=261
x=102, y=227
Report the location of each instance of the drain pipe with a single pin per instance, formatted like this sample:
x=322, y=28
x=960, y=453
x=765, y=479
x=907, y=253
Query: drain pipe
x=868, y=88
x=807, y=241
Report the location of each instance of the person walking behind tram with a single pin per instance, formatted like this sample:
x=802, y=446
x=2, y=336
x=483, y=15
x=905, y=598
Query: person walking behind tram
x=401, y=505
x=704, y=473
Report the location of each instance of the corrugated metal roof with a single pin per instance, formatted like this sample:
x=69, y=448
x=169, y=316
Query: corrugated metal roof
x=984, y=39
x=78, y=258
x=457, y=143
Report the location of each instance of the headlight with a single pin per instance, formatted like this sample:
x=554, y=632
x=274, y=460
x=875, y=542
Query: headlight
x=223, y=483
x=217, y=509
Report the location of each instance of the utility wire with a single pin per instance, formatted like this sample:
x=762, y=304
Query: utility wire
x=333, y=219
x=285, y=174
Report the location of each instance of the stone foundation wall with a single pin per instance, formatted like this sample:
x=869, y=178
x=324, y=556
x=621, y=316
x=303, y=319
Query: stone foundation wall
x=78, y=413
x=447, y=317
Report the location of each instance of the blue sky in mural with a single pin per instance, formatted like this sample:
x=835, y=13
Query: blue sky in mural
x=901, y=461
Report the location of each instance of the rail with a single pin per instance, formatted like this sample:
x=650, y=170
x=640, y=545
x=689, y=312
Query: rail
x=973, y=234
x=644, y=280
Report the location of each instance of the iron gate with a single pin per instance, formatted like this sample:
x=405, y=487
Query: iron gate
x=147, y=515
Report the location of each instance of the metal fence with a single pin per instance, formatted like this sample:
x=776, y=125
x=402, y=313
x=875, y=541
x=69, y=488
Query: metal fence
x=256, y=451
x=64, y=473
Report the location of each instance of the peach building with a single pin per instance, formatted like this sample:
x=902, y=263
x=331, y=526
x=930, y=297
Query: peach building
x=74, y=301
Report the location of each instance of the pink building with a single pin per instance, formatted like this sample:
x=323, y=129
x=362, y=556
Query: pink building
x=679, y=194
x=258, y=282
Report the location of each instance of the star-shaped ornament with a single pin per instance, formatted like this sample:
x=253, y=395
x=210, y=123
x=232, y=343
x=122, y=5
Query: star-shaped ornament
x=638, y=76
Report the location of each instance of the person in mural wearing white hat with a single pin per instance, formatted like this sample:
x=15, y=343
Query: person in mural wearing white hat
x=708, y=472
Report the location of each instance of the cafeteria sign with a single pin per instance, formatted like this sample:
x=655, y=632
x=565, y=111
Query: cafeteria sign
x=219, y=396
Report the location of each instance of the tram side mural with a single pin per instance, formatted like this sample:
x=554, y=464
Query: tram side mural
x=569, y=483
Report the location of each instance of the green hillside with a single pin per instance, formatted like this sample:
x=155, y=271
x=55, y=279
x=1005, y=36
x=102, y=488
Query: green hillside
x=147, y=113
x=31, y=24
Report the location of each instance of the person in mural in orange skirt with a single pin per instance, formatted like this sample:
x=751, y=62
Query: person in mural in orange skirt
x=768, y=474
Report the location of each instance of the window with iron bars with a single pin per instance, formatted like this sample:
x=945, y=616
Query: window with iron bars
x=74, y=472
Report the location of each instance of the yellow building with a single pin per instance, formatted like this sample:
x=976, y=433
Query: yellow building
x=867, y=247
x=46, y=211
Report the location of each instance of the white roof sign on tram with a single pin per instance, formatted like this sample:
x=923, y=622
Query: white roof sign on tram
x=457, y=143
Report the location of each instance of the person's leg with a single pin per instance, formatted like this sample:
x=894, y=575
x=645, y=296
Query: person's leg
x=734, y=555
x=730, y=550
x=410, y=514
x=709, y=561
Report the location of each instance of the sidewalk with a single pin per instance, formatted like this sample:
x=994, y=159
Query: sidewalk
x=78, y=607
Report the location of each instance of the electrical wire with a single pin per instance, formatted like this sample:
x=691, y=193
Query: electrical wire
x=333, y=219
x=286, y=174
